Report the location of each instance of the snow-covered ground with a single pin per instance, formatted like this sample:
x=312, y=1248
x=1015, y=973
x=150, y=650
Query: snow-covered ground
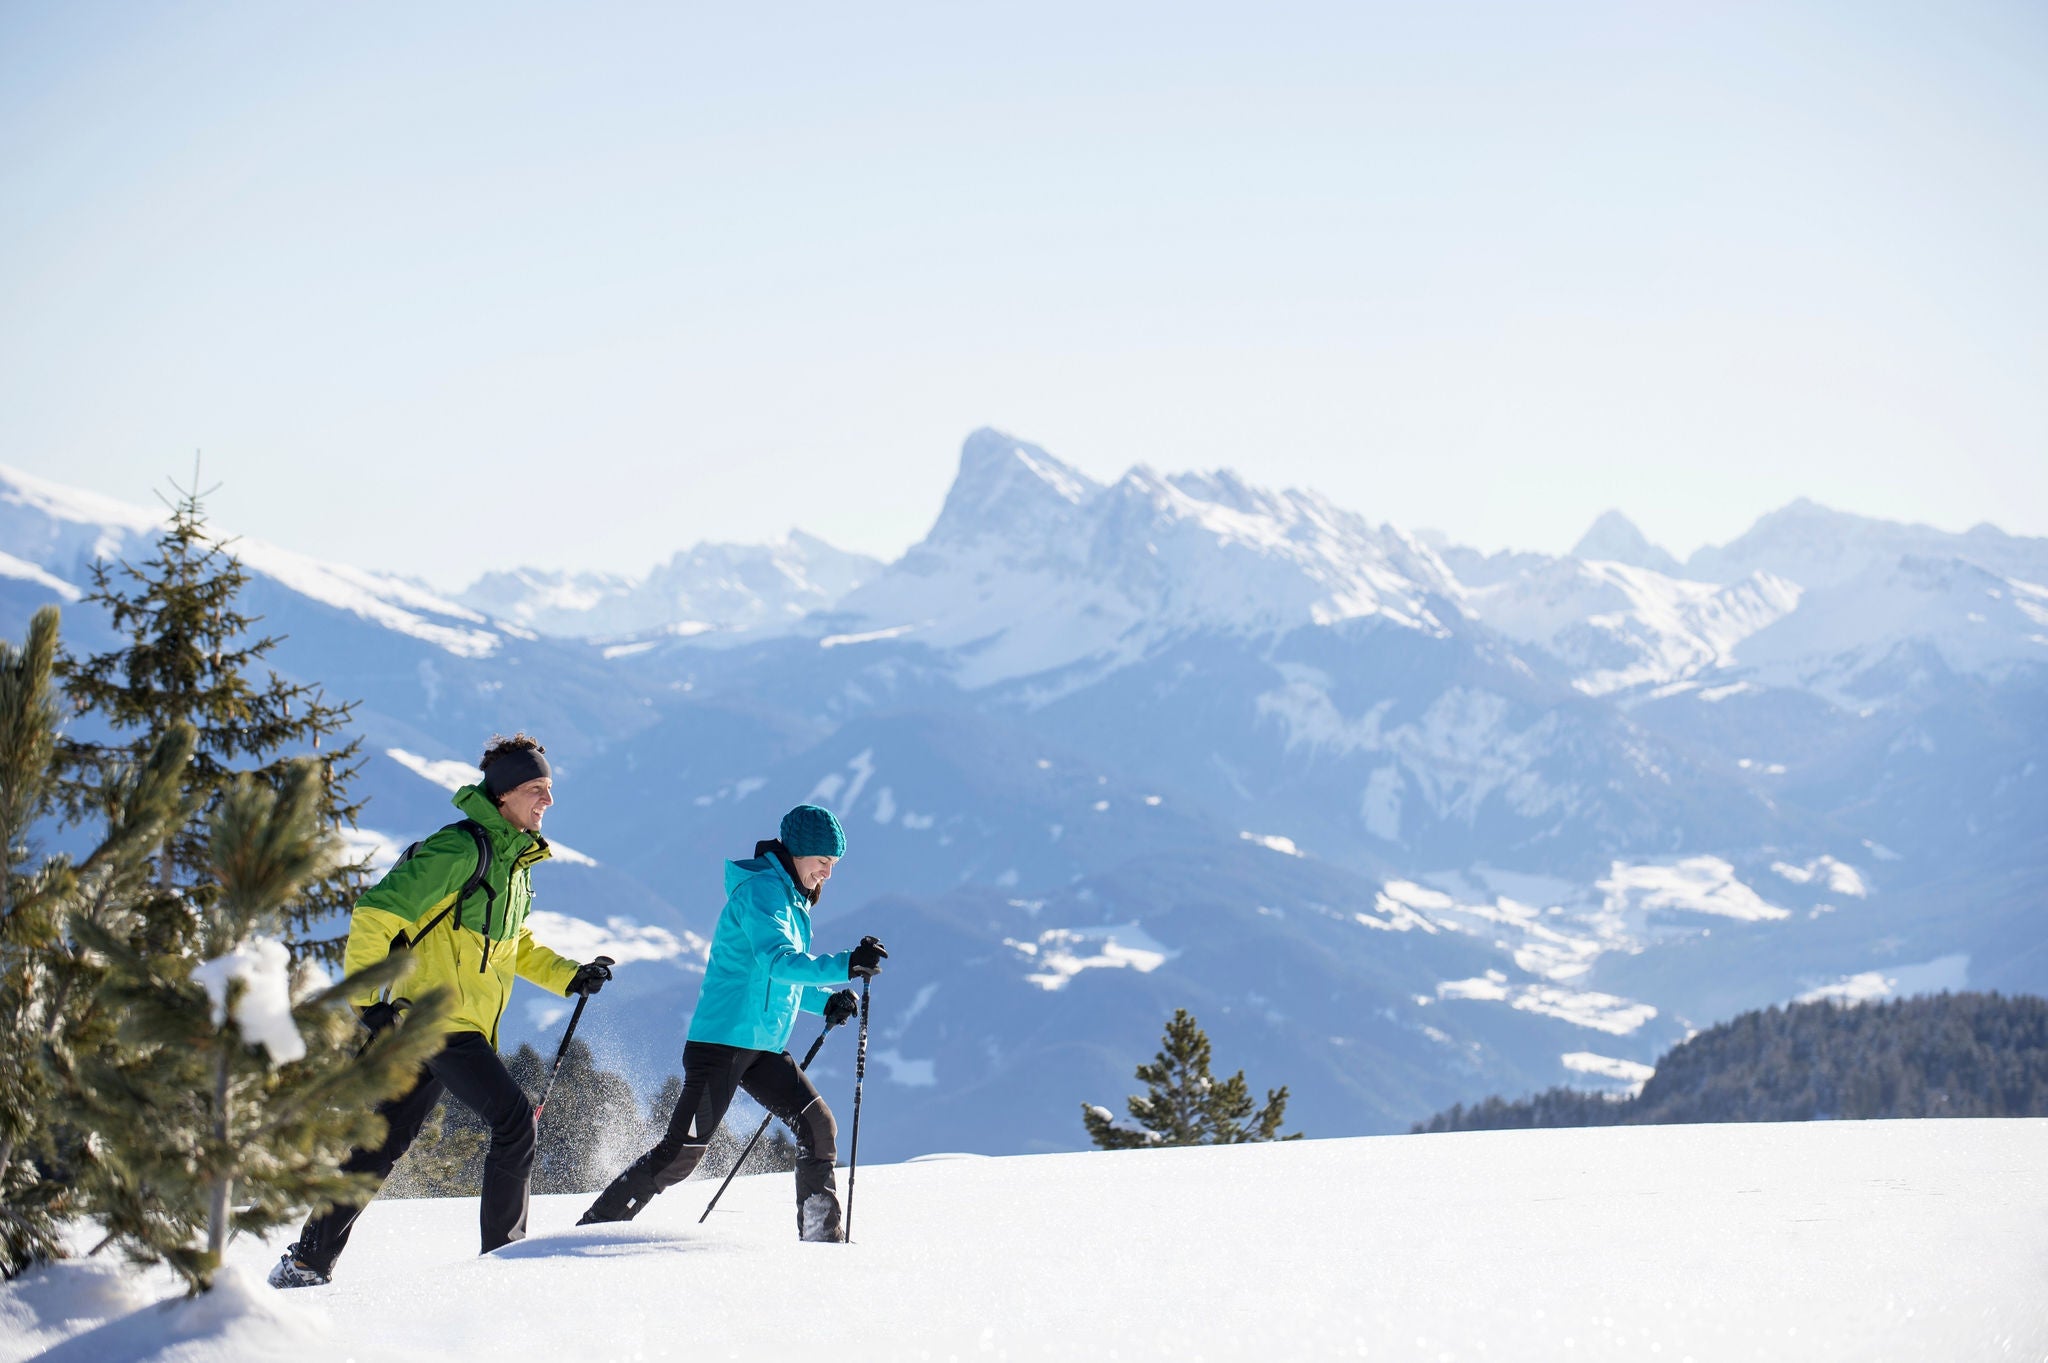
x=1865, y=1241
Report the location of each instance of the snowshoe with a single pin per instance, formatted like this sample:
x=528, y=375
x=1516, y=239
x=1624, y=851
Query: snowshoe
x=289, y=1272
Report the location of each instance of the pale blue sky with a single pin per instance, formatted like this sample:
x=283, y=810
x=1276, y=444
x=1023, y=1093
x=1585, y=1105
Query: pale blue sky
x=445, y=287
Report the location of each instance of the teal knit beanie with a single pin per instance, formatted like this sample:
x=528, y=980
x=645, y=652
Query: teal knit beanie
x=808, y=831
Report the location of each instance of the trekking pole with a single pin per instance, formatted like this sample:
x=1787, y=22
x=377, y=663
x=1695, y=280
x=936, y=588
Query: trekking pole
x=560, y=1051
x=860, y=1072
x=563, y=1049
x=809, y=1056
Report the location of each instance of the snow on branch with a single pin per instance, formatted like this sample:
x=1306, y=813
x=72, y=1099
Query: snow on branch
x=263, y=1010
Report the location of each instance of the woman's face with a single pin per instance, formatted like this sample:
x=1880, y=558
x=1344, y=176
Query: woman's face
x=813, y=872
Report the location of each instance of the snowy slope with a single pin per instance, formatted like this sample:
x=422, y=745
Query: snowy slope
x=1618, y=626
x=57, y=526
x=1817, y=547
x=1969, y=617
x=711, y=586
x=64, y=531
x=1818, y=1241
x=1809, y=599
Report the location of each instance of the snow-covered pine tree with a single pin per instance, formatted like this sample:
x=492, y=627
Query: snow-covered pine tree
x=51, y=1008
x=1184, y=1104
x=185, y=660
x=229, y=1105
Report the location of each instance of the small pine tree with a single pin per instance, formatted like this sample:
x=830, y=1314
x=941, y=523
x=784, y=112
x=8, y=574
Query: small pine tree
x=1185, y=1105
x=228, y=1105
x=51, y=1007
x=184, y=661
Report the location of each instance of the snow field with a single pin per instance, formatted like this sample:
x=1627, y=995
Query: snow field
x=1865, y=1241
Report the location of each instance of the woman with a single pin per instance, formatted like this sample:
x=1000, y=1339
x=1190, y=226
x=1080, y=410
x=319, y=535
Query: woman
x=759, y=976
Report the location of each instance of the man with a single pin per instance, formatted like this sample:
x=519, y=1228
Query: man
x=470, y=942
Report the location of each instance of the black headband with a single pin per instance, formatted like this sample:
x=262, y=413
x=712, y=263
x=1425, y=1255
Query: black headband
x=513, y=770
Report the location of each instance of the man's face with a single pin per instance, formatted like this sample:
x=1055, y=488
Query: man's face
x=813, y=872
x=524, y=805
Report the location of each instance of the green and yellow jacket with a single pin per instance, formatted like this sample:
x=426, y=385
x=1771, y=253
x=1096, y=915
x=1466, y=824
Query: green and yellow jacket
x=475, y=951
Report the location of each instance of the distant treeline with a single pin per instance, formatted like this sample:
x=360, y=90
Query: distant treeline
x=1950, y=1055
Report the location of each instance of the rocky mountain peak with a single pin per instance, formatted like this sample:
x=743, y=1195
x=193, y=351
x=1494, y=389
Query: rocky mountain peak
x=1614, y=538
x=1008, y=488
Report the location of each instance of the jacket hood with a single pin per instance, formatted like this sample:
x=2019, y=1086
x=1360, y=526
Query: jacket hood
x=738, y=872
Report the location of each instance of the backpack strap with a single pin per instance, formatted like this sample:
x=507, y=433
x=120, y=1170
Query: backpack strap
x=480, y=876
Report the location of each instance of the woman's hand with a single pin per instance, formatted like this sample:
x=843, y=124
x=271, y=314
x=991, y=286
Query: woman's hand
x=867, y=959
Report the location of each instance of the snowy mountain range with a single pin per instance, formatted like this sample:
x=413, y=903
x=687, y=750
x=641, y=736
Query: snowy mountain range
x=739, y=587
x=1402, y=823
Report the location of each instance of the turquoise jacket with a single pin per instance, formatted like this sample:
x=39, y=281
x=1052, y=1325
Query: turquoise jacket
x=761, y=972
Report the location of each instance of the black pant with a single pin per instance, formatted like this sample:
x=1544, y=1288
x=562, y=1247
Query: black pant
x=711, y=1074
x=469, y=1069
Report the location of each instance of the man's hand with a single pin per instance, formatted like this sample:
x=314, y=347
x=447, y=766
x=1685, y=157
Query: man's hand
x=867, y=959
x=591, y=976
x=378, y=1016
x=840, y=1007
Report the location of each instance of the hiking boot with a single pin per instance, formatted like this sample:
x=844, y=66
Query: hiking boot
x=293, y=1272
x=817, y=1220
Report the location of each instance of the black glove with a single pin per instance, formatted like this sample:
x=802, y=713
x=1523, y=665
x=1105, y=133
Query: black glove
x=840, y=1007
x=591, y=977
x=378, y=1016
x=867, y=959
